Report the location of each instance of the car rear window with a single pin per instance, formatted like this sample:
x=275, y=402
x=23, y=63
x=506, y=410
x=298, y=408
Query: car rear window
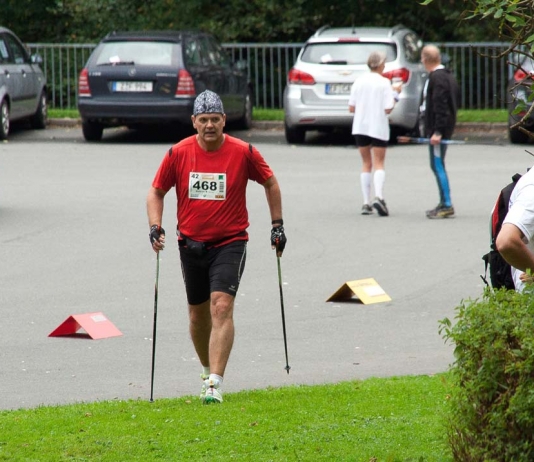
x=138, y=52
x=346, y=52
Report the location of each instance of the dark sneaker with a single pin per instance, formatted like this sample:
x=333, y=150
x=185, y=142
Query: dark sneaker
x=380, y=207
x=366, y=209
x=439, y=206
x=441, y=212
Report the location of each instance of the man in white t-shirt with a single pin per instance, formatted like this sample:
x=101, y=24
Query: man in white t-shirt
x=515, y=241
x=371, y=99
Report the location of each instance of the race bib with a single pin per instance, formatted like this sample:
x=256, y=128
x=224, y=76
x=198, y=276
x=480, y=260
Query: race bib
x=207, y=186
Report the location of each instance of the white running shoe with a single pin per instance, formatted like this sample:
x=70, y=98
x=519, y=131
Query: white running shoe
x=213, y=393
x=205, y=385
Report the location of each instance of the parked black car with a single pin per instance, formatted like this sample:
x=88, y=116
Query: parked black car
x=519, y=91
x=141, y=78
x=22, y=85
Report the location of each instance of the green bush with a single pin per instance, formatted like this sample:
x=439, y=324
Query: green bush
x=492, y=392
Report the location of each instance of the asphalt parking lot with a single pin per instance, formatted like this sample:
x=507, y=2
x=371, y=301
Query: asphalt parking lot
x=74, y=240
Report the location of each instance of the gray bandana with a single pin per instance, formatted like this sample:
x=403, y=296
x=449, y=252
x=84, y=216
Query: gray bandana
x=208, y=102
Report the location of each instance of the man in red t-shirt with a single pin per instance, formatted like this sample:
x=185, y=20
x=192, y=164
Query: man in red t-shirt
x=210, y=172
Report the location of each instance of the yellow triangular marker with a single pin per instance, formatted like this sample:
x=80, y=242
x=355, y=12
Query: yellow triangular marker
x=366, y=291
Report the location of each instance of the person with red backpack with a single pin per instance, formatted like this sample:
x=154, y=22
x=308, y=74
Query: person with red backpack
x=515, y=241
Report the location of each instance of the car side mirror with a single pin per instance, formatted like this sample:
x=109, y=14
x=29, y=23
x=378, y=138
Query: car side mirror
x=241, y=65
x=37, y=59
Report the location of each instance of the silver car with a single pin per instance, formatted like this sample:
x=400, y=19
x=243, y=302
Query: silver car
x=318, y=86
x=22, y=85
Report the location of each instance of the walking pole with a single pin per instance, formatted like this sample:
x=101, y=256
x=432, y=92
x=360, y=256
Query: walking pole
x=282, y=307
x=154, y=330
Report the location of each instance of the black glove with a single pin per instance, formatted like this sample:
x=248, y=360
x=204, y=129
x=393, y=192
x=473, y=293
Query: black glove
x=278, y=238
x=155, y=232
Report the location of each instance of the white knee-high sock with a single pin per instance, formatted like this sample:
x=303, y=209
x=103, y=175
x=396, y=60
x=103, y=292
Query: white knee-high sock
x=365, y=180
x=379, y=178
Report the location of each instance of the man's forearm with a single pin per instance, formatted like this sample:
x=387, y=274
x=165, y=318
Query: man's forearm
x=154, y=207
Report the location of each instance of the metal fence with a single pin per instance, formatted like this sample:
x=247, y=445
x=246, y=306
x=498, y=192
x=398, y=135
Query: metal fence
x=483, y=78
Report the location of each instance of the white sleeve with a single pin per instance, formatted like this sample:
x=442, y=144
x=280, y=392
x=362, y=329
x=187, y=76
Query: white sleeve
x=521, y=213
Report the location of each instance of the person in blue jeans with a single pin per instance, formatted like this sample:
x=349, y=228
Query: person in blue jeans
x=441, y=97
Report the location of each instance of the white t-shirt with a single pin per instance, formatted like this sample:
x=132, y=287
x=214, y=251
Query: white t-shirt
x=371, y=94
x=521, y=214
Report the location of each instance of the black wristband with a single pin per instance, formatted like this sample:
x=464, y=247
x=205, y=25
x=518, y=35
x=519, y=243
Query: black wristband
x=277, y=222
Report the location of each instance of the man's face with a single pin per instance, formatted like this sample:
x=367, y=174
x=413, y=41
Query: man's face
x=209, y=126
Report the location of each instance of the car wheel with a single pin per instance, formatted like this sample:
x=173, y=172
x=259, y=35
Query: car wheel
x=295, y=135
x=40, y=117
x=517, y=137
x=245, y=122
x=92, y=131
x=4, y=120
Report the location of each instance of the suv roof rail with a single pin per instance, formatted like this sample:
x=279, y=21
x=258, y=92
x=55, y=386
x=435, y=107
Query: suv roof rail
x=396, y=28
x=321, y=30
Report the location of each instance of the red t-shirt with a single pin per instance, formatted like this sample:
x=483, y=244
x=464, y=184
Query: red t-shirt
x=211, y=187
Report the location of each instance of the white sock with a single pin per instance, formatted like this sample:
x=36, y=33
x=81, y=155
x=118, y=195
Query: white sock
x=379, y=178
x=205, y=370
x=365, y=180
x=217, y=380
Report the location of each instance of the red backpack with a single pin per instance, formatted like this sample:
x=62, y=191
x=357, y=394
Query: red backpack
x=499, y=270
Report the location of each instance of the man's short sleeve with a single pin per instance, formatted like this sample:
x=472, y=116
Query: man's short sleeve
x=165, y=177
x=521, y=213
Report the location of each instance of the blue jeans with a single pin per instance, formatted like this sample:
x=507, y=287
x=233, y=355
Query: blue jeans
x=437, y=164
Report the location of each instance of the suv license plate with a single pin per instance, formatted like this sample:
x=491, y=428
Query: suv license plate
x=132, y=86
x=338, y=88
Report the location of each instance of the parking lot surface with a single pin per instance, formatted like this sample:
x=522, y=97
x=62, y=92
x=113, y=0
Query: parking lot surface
x=74, y=240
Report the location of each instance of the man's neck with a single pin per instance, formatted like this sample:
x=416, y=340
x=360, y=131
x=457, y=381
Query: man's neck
x=437, y=66
x=212, y=146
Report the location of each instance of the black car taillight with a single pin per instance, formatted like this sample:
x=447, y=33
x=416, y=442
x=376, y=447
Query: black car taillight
x=297, y=77
x=83, y=84
x=186, y=85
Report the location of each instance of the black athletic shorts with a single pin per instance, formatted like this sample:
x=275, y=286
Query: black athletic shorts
x=217, y=269
x=364, y=140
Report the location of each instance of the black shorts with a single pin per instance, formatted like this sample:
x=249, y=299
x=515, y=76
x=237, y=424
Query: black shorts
x=217, y=269
x=364, y=140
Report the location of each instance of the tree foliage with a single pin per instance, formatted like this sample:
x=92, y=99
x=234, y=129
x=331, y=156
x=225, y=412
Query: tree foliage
x=234, y=20
x=514, y=24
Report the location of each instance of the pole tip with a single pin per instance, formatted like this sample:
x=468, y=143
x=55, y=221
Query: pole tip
x=287, y=368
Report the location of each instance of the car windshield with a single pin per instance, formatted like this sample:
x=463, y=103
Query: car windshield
x=345, y=52
x=138, y=52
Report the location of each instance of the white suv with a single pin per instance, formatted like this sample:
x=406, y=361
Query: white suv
x=318, y=86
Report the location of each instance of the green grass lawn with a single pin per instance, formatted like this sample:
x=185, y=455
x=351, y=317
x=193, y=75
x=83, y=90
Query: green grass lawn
x=464, y=115
x=390, y=420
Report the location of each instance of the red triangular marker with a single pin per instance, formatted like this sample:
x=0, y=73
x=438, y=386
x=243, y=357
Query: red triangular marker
x=96, y=325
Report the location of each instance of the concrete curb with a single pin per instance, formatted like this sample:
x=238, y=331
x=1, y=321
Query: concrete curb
x=260, y=124
x=471, y=127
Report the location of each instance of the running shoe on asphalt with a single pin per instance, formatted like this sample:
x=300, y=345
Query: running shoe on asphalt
x=380, y=207
x=441, y=212
x=366, y=209
x=434, y=209
x=213, y=393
